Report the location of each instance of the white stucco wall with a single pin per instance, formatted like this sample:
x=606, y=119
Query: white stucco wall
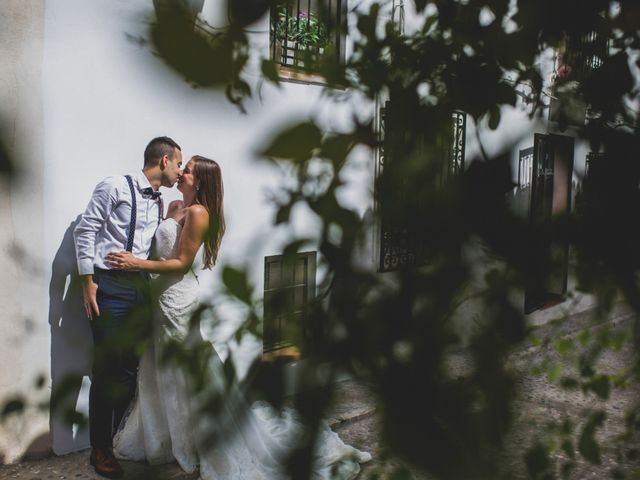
x=24, y=349
x=92, y=98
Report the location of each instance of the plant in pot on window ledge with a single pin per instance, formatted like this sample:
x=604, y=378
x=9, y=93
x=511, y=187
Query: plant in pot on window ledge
x=300, y=39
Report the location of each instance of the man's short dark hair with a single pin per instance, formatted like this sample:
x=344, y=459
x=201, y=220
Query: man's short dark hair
x=158, y=148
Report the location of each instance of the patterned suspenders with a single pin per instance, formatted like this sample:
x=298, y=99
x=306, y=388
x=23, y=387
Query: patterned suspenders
x=134, y=210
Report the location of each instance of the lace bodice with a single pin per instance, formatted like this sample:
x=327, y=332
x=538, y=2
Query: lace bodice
x=166, y=240
x=177, y=293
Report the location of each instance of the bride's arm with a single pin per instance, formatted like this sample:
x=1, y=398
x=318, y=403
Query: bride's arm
x=173, y=208
x=193, y=232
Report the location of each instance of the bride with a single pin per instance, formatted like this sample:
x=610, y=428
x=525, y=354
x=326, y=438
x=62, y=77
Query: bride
x=161, y=425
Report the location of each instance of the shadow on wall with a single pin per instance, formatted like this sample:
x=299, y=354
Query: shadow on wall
x=71, y=347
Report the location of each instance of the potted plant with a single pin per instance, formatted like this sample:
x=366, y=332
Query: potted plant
x=303, y=35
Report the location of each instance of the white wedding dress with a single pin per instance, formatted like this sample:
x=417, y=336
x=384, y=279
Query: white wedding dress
x=160, y=427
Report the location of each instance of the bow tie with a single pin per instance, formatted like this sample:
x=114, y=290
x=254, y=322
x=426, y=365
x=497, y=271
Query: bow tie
x=151, y=192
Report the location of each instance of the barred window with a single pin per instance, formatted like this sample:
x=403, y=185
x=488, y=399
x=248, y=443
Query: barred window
x=576, y=60
x=289, y=286
x=581, y=55
x=304, y=33
x=525, y=168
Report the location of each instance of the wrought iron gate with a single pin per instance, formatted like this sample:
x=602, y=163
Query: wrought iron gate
x=400, y=246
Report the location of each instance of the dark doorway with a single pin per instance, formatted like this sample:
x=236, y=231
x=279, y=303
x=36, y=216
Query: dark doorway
x=550, y=200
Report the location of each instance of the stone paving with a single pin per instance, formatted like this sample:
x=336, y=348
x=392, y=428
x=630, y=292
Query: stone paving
x=355, y=419
x=352, y=417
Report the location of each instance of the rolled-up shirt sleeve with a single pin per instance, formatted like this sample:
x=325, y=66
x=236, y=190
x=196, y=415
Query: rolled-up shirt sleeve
x=102, y=203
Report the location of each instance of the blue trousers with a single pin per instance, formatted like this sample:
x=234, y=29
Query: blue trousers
x=118, y=337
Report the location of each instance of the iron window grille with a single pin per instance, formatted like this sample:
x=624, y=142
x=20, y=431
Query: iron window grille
x=576, y=60
x=584, y=53
x=289, y=286
x=521, y=195
x=525, y=168
x=400, y=245
x=303, y=32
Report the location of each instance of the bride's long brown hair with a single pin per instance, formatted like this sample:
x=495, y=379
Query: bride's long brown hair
x=210, y=194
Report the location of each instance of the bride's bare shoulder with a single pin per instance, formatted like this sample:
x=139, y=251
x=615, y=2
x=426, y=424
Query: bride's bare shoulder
x=174, y=207
x=198, y=216
x=198, y=211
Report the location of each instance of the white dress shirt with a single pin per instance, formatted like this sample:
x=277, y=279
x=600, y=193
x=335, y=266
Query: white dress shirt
x=104, y=225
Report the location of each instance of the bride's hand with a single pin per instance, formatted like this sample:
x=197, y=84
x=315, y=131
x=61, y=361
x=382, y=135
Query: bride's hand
x=122, y=260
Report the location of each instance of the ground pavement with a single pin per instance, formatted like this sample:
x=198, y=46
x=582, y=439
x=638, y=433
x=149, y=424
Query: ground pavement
x=353, y=415
x=355, y=419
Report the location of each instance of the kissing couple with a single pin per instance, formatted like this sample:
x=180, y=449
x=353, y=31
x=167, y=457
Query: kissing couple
x=140, y=288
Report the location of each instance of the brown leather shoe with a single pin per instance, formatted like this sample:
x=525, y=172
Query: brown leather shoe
x=104, y=463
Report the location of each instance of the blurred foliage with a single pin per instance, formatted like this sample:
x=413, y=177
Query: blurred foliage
x=398, y=331
x=7, y=166
x=12, y=407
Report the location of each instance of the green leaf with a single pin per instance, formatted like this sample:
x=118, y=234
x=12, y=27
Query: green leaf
x=270, y=71
x=583, y=336
x=337, y=147
x=283, y=213
x=494, y=117
x=587, y=444
x=421, y=5
x=554, y=372
x=537, y=461
x=586, y=369
x=6, y=165
x=293, y=247
x=616, y=342
x=600, y=385
x=619, y=380
x=14, y=406
x=566, y=469
x=236, y=93
x=229, y=371
x=64, y=390
x=567, y=426
x=563, y=346
x=570, y=383
x=589, y=448
x=296, y=143
x=428, y=23
x=72, y=417
x=237, y=283
x=203, y=60
x=567, y=448
x=40, y=381
x=505, y=94
x=367, y=23
x=401, y=473
x=246, y=12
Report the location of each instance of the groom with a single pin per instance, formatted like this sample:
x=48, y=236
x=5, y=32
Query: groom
x=123, y=213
